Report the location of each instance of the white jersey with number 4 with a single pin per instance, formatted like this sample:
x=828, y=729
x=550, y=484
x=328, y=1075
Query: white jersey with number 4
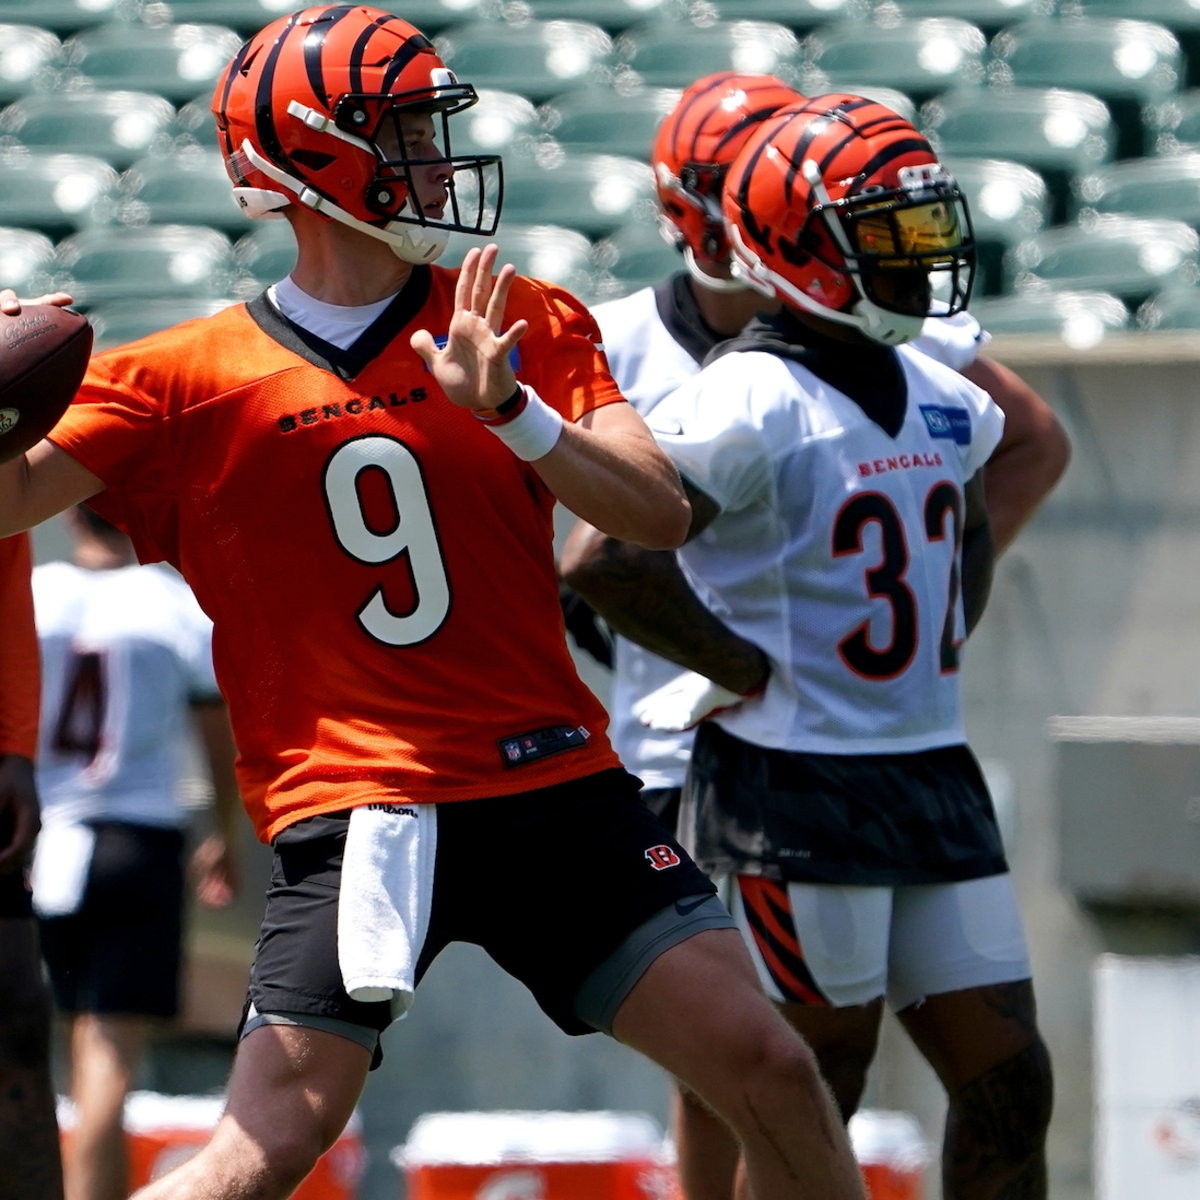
x=837, y=550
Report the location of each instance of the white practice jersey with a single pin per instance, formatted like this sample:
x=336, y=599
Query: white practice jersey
x=124, y=652
x=836, y=549
x=649, y=362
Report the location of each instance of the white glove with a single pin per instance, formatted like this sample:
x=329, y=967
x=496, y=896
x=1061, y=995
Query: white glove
x=684, y=702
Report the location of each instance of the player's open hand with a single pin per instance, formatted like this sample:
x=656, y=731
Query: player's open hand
x=214, y=872
x=473, y=368
x=10, y=305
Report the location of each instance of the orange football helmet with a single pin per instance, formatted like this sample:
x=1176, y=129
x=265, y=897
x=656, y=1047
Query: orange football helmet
x=693, y=149
x=839, y=207
x=310, y=111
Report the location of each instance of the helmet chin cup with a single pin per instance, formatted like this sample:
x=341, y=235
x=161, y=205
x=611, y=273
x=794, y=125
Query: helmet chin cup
x=417, y=243
x=889, y=328
x=712, y=283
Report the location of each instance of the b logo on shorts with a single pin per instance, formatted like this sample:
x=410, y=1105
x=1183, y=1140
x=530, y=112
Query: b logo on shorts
x=662, y=857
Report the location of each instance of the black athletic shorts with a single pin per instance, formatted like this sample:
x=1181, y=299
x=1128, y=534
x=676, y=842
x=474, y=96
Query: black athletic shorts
x=120, y=952
x=15, y=899
x=573, y=889
x=869, y=820
x=663, y=802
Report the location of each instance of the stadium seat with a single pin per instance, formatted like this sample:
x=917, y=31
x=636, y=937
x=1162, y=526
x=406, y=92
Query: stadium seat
x=195, y=125
x=189, y=187
x=635, y=257
x=667, y=55
x=547, y=252
x=63, y=16
x=1081, y=319
x=612, y=15
x=56, y=193
x=265, y=255
x=989, y=15
x=1176, y=308
x=1128, y=64
x=602, y=120
x=1007, y=202
x=593, y=193
x=26, y=261
x=153, y=262
x=1147, y=187
x=27, y=54
x=918, y=58
x=124, y=321
x=501, y=122
x=1131, y=257
x=539, y=59
x=802, y=16
x=1174, y=126
x=176, y=61
x=119, y=127
x=1181, y=17
x=1060, y=134
x=248, y=16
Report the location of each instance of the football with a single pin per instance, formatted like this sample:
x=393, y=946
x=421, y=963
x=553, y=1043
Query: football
x=43, y=355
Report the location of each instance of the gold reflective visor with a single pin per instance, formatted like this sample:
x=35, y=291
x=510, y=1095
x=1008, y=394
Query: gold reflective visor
x=929, y=231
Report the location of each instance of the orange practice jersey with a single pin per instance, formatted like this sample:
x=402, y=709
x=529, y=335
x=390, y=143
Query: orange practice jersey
x=378, y=565
x=20, y=697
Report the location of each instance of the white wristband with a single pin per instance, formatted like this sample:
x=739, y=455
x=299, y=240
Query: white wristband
x=532, y=434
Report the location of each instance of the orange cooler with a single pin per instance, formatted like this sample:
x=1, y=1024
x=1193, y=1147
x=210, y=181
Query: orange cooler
x=891, y=1151
x=537, y=1156
x=163, y=1131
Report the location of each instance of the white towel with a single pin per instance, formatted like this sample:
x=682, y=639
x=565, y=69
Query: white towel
x=384, y=901
x=62, y=858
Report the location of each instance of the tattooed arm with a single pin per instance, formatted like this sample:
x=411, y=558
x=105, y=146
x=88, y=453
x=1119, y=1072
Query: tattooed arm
x=644, y=596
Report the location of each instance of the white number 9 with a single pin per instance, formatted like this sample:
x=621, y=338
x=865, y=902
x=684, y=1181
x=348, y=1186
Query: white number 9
x=413, y=534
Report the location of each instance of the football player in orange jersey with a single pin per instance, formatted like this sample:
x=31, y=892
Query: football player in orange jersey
x=356, y=474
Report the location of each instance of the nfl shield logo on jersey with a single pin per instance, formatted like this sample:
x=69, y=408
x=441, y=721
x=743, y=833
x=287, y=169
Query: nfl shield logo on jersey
x=662, y=857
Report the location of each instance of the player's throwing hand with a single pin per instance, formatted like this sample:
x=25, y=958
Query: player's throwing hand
x=473, y=367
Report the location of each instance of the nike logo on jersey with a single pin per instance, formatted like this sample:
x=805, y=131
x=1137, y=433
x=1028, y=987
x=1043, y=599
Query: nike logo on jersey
x=952, y=423
x=671, y=429
x=683, y=909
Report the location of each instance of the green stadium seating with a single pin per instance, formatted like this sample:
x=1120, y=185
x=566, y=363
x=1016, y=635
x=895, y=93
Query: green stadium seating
x=918, y=58
x=119, y=127
x=799, y=15
x=1128, y=64
x=153, y=262
x=1181, y=17
x=190, y=187
x=266, y=254
x=608, y=14
x=1131, y=257
x=176, y=61
x=602, y=120
x=123, y=321
x=593, y=193
x=539, y=59
x=26, y=261
x=1174, y=126
x=501, y=122
x=64, y=16
x=1176, y=308
x=547, y=252
x=56, y=193
x=1153, y=187
x=989, y=15
x=1081, y=319
x=195, y=125
x=27, y=56
x=675, y=55
x=1008, y=203
x=248, y=16
x=635, y=257
x=1060, y=134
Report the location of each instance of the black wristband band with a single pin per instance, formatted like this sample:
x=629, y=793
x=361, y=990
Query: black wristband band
x=502, y=410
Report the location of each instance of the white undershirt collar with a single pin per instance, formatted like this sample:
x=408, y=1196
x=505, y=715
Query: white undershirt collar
x=338, y=324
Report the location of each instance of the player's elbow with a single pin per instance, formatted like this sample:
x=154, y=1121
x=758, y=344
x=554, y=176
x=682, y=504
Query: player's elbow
x=1054, y=452
x=665, y=526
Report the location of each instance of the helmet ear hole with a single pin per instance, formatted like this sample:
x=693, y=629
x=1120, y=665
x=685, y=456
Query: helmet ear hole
x=314, y=160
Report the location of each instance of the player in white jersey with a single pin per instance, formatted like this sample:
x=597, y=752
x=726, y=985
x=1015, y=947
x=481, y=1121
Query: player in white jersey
x=126, y=657
x=839, y=525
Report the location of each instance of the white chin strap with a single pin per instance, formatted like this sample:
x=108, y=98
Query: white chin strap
x=712, y=283
x=880, y=325
x=411, y=243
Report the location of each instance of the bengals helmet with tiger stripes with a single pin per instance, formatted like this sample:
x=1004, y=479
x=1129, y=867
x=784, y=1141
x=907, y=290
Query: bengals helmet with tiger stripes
x=695, y=144
x=305, y=106
x=838, y=207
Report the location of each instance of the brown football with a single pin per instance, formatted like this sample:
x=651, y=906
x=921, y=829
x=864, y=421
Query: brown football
x=43, y=355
